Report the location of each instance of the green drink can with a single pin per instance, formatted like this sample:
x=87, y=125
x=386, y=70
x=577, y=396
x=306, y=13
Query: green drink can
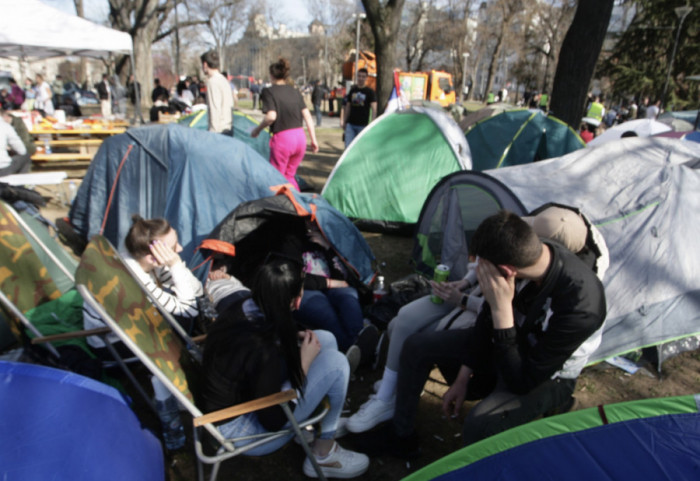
x=442, y=272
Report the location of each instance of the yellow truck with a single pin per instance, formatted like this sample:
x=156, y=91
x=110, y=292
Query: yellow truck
x=435, y=85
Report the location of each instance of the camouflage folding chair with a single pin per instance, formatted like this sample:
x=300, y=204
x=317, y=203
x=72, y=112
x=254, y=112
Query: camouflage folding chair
x=108, y=287
x=26, y=282
x=25, y=279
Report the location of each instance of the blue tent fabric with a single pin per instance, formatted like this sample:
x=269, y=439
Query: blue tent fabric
x=192, y=178
x=661, y=448
x=60, y=425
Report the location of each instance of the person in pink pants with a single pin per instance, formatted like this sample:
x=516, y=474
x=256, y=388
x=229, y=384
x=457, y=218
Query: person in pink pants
x=285, y=114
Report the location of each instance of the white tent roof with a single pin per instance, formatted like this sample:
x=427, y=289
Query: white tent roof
x=643, y=195
x=30, y=28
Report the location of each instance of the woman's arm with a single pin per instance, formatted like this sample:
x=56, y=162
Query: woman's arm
x=269, y=119
x=310, y=127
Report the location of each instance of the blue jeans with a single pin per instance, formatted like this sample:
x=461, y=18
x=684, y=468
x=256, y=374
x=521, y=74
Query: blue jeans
x=328, y=376
x=318, y=113
x=352, y=131
x=336, y=310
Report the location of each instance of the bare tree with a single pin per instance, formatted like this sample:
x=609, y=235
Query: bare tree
x=144, y=21
x=578, y=57
x=496, y=22
x=385, y=19
x=223, y=20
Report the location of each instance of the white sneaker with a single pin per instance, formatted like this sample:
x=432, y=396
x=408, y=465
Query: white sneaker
x=340, y=463
x=371, y=413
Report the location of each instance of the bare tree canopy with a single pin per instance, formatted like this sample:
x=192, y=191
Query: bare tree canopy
x=144, y=20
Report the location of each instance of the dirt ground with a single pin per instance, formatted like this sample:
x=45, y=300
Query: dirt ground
x=600, y=384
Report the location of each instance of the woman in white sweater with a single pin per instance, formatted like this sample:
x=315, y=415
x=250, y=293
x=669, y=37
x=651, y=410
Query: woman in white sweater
x=153, y=257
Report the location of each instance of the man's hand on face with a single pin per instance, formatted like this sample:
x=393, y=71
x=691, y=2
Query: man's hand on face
x=498, y=288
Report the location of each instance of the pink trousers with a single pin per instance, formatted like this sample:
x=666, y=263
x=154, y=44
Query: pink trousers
x=287, y=150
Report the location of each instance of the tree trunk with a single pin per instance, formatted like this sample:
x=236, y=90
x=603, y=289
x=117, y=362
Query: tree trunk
x=577, y=59
x=493, y=63
x=143, y=61
x=385, y=22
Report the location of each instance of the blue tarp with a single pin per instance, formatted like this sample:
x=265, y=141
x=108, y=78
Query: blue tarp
x=60, y=425
x=660, y=448
x=191, y=177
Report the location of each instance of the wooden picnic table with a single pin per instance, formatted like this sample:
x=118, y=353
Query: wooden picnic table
x=77, y=144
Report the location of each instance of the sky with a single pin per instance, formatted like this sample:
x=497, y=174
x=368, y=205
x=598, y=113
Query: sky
x=291, y=12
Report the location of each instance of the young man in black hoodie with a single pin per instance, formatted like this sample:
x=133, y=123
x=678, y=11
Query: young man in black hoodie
x=525, y=351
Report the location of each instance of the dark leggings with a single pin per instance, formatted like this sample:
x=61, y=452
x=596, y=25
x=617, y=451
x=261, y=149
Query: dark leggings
x=499, y=409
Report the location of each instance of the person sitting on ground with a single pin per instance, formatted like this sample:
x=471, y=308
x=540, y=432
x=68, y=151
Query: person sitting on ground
x=329, y=302
x=200, y=103
x=254, y=349
x=161, y=105
x=223, y=288
x=525, y=351
x=11, y=143
x=587, y=132
x=152, y=255
x=462, y=303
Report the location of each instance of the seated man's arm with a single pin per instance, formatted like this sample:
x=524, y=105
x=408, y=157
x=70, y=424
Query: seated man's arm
x=576, y=313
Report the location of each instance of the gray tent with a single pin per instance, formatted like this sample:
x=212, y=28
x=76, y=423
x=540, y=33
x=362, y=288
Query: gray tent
x=643, y=194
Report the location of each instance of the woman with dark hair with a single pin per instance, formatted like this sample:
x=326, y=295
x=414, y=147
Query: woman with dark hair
x=285, y=113
x=254, y=350
x=153, y=257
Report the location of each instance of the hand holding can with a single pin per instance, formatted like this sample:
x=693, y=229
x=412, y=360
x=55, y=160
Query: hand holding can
x=442, y=273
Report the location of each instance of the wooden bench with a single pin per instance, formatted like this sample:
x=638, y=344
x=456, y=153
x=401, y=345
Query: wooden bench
x=61, y=157
x=82, y=146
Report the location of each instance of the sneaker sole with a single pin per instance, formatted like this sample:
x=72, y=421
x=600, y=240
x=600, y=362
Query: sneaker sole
x=328, y=473
x=361, y=429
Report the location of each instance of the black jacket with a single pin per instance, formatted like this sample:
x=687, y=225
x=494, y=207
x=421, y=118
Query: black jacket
x=243, y=361
x=552, y=321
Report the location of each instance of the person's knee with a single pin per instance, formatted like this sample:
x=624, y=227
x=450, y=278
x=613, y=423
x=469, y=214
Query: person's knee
x=327, y=339
x=413, y=351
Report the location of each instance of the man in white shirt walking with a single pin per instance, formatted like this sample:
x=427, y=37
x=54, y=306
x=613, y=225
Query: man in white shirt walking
x=219, y=95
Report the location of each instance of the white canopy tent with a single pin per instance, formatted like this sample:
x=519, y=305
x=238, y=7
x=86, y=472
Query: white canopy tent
x=30, y=28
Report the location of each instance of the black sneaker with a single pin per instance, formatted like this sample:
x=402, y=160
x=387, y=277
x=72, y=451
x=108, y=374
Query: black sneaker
x=383, y=441
x=367, y=341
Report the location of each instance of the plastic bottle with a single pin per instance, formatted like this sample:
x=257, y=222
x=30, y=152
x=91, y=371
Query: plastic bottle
x=72, y=189
x=169, y=413
x=47, y=146
x=380, y=289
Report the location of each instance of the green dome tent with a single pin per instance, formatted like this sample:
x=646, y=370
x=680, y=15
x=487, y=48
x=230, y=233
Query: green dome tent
x=387, y=172
x=519, y=136
x=242, y=125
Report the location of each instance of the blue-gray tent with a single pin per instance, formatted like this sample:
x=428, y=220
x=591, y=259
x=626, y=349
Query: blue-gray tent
x=192, y=178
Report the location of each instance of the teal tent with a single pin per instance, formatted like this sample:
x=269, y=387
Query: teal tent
x=519, y=136
x=387, y=172
x=242, y=125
